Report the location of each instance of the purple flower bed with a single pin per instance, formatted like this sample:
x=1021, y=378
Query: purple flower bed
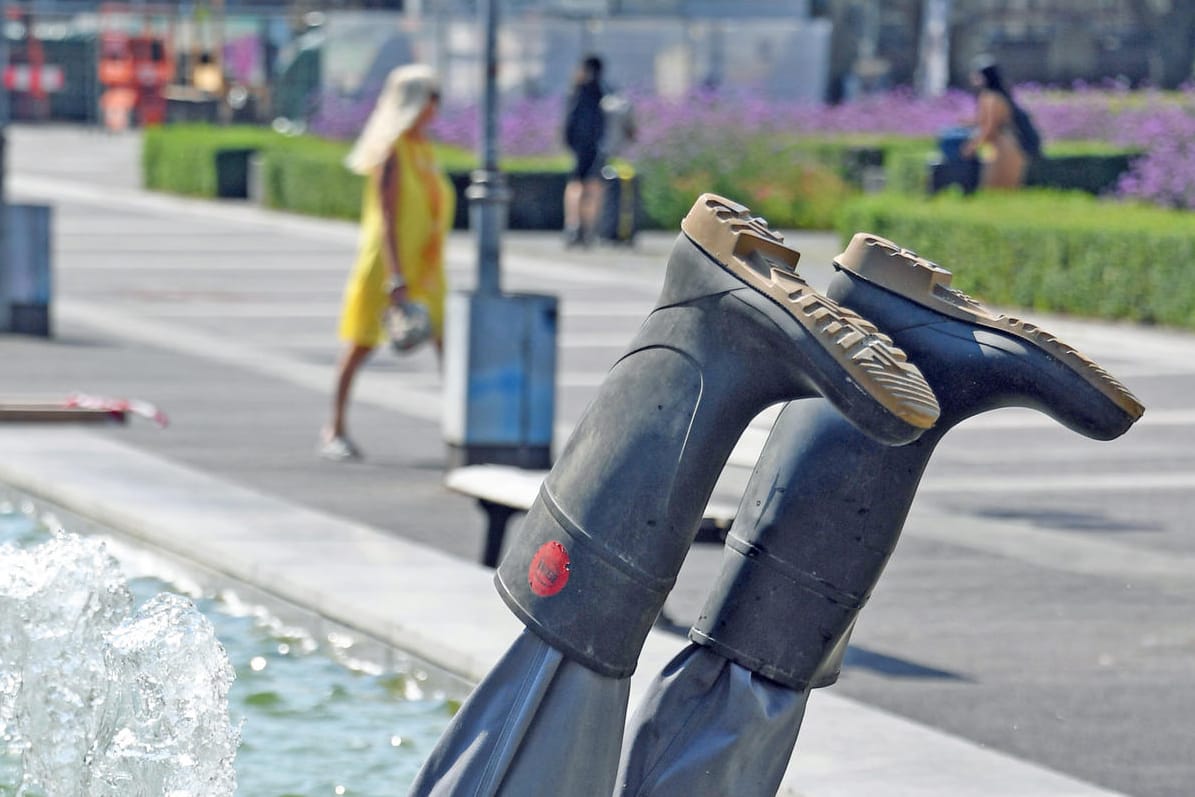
x=1162, y=125
x=526, y=126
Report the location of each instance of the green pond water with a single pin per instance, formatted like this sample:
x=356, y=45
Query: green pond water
x=317, y=717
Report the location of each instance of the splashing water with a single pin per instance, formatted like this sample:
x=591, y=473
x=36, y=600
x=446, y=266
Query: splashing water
x=99, y=700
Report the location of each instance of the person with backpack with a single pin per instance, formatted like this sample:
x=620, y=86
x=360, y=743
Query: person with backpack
x=584, y=132
x=1003, y=128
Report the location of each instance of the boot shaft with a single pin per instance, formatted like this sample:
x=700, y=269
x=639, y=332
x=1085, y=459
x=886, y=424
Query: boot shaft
x=734, y=331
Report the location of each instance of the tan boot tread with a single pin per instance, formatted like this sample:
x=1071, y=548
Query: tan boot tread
x=919, y=280
x=744, y=245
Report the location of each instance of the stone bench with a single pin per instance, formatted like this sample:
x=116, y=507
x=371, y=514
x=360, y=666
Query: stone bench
x=503, y=491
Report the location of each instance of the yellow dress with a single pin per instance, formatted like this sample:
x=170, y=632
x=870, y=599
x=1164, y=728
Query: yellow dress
x=424, y=214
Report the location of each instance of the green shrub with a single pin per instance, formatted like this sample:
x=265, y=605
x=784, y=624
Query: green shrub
x=302, y=174
x=1091, y=166
x=1047, y=250
x=794, y=181
x=181, y=159
x=782, y=180
x=308, y=175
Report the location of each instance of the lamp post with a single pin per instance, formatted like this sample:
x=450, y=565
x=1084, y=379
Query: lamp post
x=488, y=195
x=5, y=265
x=499, y=348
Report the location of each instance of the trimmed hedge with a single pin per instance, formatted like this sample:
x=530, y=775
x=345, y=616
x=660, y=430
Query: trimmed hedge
x=182, y=158
x=306, y=174
x=1048, y=250
x=1089, y=166
x=311, y=178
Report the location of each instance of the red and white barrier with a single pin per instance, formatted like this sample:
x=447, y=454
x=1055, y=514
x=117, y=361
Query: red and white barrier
x=45, y=79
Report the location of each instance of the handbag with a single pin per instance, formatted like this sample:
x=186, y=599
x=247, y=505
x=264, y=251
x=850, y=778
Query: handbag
x=408, y=324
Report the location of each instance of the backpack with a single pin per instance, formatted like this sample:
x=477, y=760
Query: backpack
x=1027, y=135
x=619, y=123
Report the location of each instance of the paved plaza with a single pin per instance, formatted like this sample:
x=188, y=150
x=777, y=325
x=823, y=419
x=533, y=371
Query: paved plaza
x=1032, y=635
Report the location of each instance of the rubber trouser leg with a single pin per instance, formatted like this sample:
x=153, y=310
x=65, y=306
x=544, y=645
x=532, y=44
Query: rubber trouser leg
x=532, y=700
x=685, y=736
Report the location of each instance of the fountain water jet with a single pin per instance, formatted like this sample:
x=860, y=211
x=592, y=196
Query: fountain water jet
x=99, y=700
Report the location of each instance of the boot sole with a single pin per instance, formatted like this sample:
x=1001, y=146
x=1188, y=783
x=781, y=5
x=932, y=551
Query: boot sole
x=907, y=274
x=745, y=247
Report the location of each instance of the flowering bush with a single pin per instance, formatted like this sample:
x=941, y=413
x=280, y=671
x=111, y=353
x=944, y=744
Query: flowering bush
x=1159, y=124
x=528, y=126
x=699, y=129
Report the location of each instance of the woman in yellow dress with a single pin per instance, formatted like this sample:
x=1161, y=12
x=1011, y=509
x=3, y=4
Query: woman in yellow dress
x=407, y=211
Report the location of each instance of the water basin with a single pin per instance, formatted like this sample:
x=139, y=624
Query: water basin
x=320, y=710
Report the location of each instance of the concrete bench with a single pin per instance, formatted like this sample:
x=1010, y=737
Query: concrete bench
x=503, y=491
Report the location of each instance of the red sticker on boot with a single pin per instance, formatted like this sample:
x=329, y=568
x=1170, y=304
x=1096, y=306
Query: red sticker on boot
x=549, y=569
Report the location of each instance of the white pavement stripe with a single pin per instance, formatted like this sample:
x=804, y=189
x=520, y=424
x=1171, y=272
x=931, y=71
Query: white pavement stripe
x=594, y=309
x=202, y=261
x=389, y=390
x=161, y=204
x=1063, y=447
x=1150, y=370
x=1016, y=418
x=1123, y=481
x=460, y=252
x=386, y=390
x=1131, y=341
x=395, y=392
x=594, y=340
x=417, y=396
x=1063, y=551
x=157, y=308
x=282, y=309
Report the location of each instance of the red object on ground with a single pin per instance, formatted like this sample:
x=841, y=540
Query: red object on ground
x=118, y=406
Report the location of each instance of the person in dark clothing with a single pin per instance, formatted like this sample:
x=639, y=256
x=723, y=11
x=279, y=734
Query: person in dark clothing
x=584, y=128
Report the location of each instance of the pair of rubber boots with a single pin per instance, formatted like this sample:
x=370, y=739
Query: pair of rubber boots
x=736, y=330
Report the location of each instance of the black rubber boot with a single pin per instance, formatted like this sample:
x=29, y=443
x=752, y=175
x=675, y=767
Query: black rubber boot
x=825, y=505
x=734, y=331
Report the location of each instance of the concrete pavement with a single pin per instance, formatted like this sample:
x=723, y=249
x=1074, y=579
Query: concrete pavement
x=222, y=313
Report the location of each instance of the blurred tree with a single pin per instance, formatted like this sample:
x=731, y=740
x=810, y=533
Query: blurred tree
x=868, y=35
x=872, y=35
x=1171, y=24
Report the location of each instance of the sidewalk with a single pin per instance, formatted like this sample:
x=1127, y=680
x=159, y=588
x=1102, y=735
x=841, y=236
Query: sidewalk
x=444, y=610
x=380, y=546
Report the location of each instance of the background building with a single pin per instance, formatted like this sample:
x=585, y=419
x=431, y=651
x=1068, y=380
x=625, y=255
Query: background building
x=278, y=56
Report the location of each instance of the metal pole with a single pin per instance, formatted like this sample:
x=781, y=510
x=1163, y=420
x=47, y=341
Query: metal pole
x=5, y=266
x=487, y=194
x=489, y=137
x=500, y=349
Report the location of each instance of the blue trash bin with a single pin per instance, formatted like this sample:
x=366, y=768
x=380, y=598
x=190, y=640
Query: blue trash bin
x=25, y=279
x=951, y=141
x=953, y=168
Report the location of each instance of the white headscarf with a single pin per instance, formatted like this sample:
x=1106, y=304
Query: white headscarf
x=405, y=94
